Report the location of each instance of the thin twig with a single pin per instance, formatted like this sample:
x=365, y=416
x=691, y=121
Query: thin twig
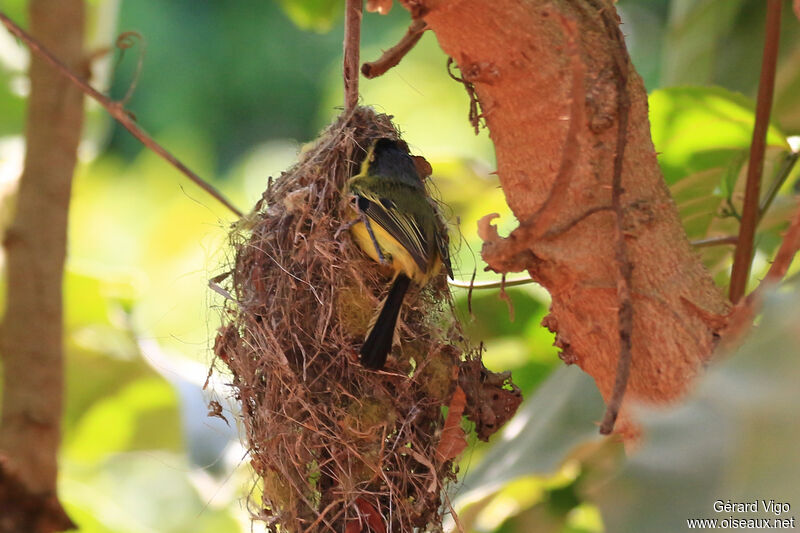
x=783, y=174
x=115, y=109
x=469, y=292
x=741, y=318
x=474, y=106
x=392, y=57
x=352, y=44
x=625, y=316
x=489, y=284
x=506, y=298
x=744, y=249
x=125, y=41
x=783, y=259
x=715, y=241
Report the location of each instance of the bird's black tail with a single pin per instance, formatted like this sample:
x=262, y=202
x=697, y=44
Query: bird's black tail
x=379, y=340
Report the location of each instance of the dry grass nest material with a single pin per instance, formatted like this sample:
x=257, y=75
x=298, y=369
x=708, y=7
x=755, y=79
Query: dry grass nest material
x=339, y=447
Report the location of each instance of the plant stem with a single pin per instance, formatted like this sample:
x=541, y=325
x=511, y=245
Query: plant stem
x=750, y=212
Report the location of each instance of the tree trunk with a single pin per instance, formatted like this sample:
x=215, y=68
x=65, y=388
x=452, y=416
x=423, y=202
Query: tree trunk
x=523, y=58
x=35, y=244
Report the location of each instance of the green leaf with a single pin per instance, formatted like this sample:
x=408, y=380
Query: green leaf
x=93, y=294
x=694, y=34
x=704, y=200
x=314, y=15
x=734, y=439
x=143, y=415
x=703, y=136
x=143, y=492
x=699, y=128
x=520, y=345
x=562, y=415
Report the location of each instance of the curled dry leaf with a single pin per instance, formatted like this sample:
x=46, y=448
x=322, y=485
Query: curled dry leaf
x=379, y=6
x=453, y=440
x=226, y=342
x=492, y=398
x=215, y=410
x=486, y=230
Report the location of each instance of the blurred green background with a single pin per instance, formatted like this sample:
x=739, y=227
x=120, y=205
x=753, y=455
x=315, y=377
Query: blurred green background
x=234, y=89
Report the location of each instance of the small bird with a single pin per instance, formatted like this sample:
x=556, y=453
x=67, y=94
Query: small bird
x=400, y=225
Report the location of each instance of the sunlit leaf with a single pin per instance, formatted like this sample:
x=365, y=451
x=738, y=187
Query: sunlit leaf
x=144, y=492
x=94, y=294
x=315, y=15
x=142, y=415
x=699, y=128
x=703, y=136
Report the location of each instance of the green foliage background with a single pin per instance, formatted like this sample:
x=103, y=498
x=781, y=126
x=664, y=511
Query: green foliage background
x=234, y=89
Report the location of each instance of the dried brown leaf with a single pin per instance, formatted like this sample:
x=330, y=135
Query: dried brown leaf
x=379, y=6
x=453, y=440
x=492, y=398
x=374, y=519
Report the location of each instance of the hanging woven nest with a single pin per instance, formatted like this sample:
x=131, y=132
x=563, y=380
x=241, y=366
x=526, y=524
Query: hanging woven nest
x=339, y=447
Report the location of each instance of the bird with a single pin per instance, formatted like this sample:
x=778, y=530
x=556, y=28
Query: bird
x=397, y=223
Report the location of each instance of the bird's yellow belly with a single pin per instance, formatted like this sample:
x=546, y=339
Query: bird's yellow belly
x=393, y=253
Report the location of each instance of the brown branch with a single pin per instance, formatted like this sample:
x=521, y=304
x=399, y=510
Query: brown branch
x=741, y=318
x=496, y=252
x=783, y=259
x=352, y=44
x=744, y=249
x=625, y=312
x=115, y=109
x=783, y=174
x=524, y=97
x=31, y=337
x=542, y=221
x=392, y=57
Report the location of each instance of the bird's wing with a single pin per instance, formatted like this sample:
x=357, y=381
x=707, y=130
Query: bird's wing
x=402, y=226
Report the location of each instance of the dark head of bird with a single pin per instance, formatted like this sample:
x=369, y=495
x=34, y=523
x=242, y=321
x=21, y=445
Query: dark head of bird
x=390, y=159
